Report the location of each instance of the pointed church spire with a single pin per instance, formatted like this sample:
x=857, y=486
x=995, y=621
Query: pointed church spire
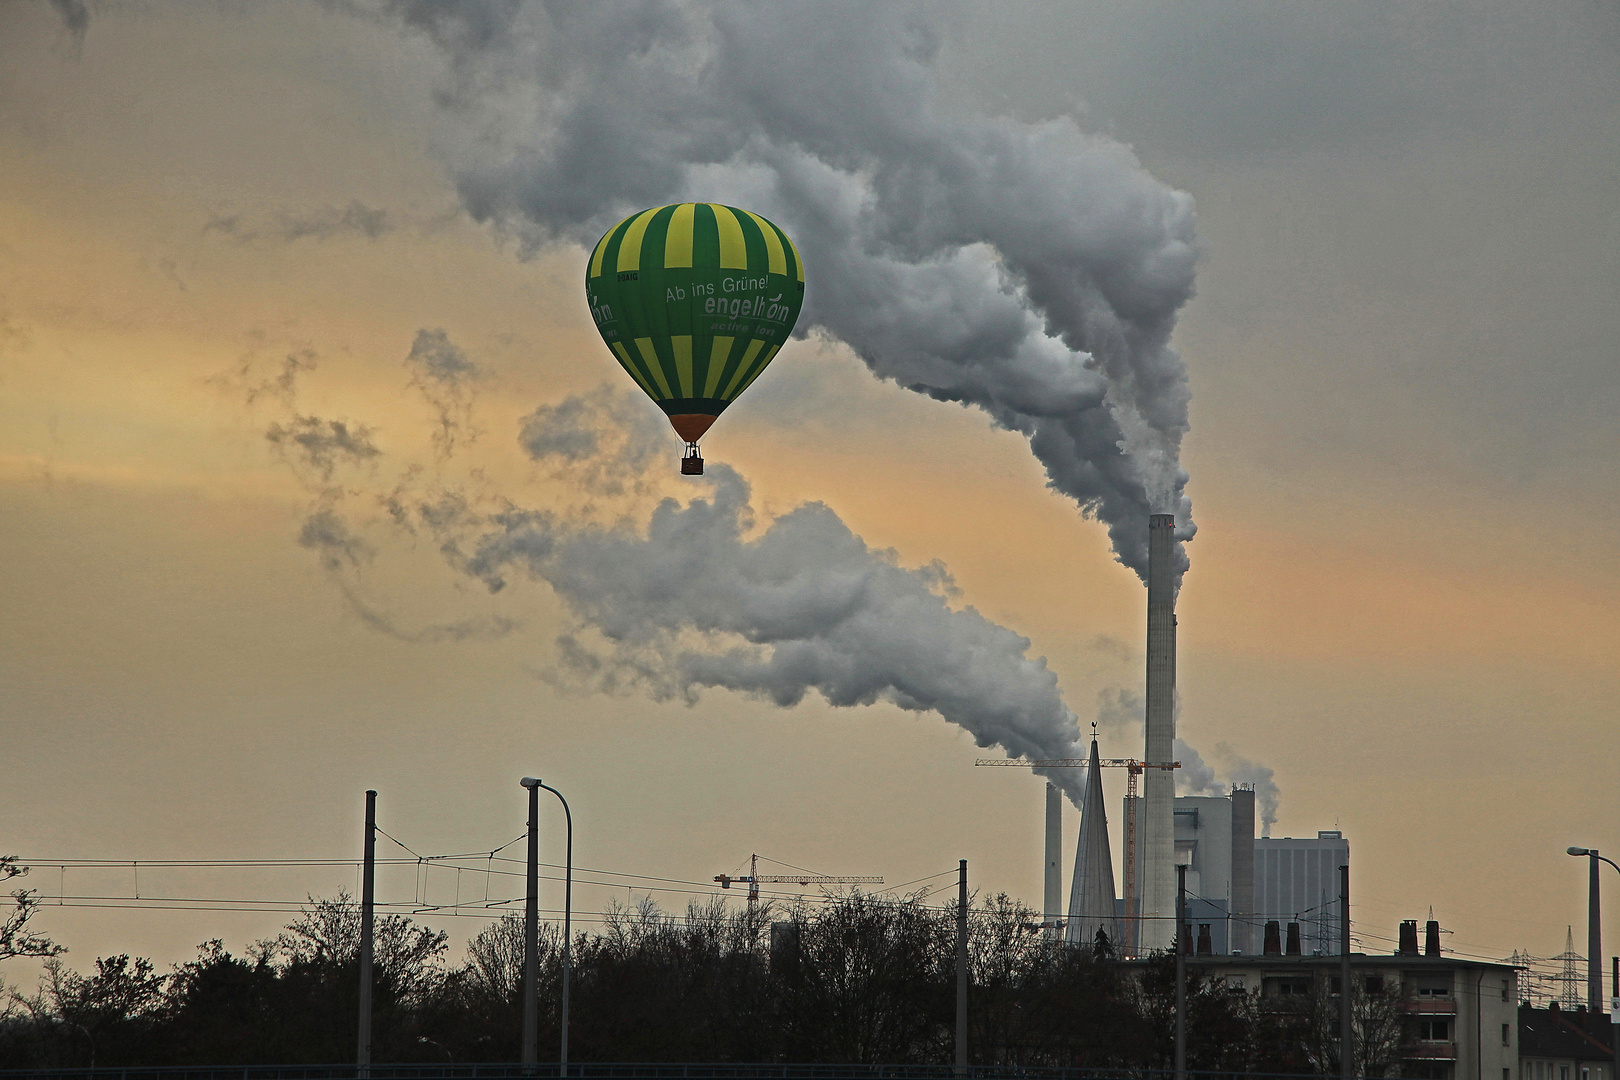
x=1091, y=898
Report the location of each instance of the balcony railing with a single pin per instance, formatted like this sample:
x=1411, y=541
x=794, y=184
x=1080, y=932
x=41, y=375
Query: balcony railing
x=1432, y=1051
x=1430, y=1006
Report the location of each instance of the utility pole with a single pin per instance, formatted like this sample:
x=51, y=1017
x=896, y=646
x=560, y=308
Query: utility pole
x=1181, y=971
x=531, y=932
x=568, y=911
x=961, y=968
x=368, y=901
x=1347, y=1044
x=1614, y=1008
x=1594, y=940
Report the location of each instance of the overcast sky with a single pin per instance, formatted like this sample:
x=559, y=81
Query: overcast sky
x=1405, y=400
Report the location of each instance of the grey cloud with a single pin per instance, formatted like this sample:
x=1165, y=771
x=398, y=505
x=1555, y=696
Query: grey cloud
x=283, y=385
x=322, y=445
x=1029, y=269
x=447, y=379
x=602, y=441
x=325, y=532
x=356, y=219
x=75, y=18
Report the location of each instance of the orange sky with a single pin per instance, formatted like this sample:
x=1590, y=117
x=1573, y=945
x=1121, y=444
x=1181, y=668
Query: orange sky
x=1404, y=591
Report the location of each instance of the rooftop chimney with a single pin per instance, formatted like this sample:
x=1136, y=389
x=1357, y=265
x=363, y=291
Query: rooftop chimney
x=1206, y=945
x=1273, y=939
x=1293, y=939
x=1431, y=939
x=1409, y=944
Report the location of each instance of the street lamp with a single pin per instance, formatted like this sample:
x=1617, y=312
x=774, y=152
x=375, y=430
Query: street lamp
x=1594, y=931
x=531, y=947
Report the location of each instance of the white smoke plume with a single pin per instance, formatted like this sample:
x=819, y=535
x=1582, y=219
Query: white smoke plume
x=1240, y=770
x=1029, y=269
x=1122, y=713
x=701, y=595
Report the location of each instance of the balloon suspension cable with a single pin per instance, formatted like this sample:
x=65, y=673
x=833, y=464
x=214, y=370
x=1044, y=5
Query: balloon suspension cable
x=692, y=462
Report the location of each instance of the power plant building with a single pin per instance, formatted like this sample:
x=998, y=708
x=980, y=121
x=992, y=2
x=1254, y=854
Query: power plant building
x=1298, y=881
x=1236, y=883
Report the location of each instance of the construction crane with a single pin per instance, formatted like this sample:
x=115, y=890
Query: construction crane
x=754, y=879
x=1133, y=768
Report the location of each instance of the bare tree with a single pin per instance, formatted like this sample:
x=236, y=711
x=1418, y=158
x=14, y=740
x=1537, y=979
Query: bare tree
x=15, y=937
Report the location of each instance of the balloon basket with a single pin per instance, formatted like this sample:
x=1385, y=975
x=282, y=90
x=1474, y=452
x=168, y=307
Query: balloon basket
x=692, y=462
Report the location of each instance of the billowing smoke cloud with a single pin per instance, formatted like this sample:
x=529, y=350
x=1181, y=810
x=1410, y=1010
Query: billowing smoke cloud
x=1028, y=269
x=1194, y=777
x=699, y=597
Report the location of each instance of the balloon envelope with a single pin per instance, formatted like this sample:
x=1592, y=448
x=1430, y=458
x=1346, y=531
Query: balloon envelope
x=694, y=299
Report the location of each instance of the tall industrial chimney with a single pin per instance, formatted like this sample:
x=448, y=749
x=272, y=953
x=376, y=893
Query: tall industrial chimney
x=1158, y=847
x=1241, y=899
x=1054, y=863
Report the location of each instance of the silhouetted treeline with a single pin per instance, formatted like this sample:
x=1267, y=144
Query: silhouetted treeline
x=855, y=979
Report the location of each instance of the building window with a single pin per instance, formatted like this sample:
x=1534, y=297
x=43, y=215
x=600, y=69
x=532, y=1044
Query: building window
x=1295, y=987
x=1374, y=984
x=1505, y=1038
x=1505, y=988
x=1563, y=1072
x=1438, y=1031
x=1434, y=990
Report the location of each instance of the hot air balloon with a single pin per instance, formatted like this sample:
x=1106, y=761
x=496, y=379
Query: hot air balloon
x=694, y=299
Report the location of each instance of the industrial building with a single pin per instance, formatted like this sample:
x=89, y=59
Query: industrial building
x=1236, y=883
x=1298, y=881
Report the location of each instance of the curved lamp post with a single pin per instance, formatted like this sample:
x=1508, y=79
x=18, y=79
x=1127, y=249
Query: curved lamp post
x=532, y=945
x=1594, y=932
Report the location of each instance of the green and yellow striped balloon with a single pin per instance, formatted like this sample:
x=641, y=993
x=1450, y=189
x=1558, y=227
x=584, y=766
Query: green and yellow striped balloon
x=694, y=299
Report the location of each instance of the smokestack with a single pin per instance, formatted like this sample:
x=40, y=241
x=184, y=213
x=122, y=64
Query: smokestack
x=1054, y=862
x=1159, y=785
x=1409, y=944
x=1273, y=945
x=1293, y=939
x=1431, y=938
x=1242, y=898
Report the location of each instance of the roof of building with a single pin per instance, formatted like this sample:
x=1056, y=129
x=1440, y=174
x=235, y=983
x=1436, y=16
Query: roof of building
x=1357, y=960
x=1558, y=1033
